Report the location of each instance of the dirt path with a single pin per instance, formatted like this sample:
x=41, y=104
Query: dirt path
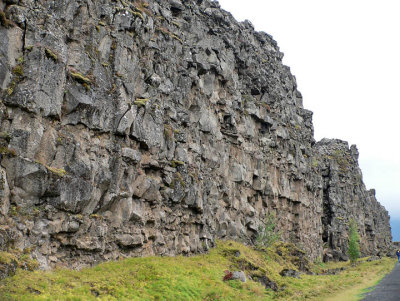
x=388, y=289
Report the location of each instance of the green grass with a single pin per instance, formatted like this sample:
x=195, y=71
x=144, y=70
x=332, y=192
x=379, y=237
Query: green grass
x=370, y=275
x=190, y=278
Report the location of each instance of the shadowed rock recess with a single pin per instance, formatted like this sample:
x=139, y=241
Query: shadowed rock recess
x=132, y=128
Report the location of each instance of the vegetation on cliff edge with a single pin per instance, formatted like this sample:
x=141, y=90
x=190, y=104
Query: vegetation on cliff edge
x=200, y=278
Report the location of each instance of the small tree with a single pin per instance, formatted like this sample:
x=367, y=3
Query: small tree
x=268, y=234
x=354, y=238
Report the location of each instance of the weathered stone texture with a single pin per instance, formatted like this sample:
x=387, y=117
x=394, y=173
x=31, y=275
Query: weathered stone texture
x=346, y=197
x=132, y=128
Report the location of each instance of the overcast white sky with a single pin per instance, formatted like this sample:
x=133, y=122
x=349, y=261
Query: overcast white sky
x=346, y=58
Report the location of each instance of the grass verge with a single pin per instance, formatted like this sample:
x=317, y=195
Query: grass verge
x=370, y=276
x=197, y=278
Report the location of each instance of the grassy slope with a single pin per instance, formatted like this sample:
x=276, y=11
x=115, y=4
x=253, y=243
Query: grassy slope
x=194, y=278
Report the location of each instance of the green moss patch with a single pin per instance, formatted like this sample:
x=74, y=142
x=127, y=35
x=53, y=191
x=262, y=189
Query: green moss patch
x=175, y=163
x=80, y=78
x=5, y=135
x=8, y=151
x=18, y=76
x=57, y=171
x=141, y=102
x=20, y=258
x=51, y=55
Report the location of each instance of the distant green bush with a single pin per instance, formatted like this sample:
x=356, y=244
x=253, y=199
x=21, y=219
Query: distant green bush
x=268, y=234
x=354, y=245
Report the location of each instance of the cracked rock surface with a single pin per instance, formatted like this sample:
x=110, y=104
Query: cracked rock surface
x=133, y=128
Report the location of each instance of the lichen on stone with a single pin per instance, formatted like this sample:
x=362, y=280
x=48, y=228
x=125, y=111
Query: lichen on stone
x=175, y=163
x=57, y=171
x=5, y=136
x=18, y=70
x=80, y=78
x=168, y=132
x=8, y=151
x=138, y=14
x=51, y=55
x=141, y=102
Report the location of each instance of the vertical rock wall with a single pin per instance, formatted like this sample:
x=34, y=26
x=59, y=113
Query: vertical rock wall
x=345, y=197
x=133, y=128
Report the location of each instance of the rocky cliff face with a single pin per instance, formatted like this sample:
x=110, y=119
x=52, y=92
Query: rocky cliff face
x=132, y=128
x=345, y=197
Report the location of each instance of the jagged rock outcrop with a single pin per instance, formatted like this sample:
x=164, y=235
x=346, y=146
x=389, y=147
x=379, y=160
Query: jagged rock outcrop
x=133, y=128
x=345, y=197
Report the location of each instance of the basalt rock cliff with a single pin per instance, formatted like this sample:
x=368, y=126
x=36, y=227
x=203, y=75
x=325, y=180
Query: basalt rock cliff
x=132, y=128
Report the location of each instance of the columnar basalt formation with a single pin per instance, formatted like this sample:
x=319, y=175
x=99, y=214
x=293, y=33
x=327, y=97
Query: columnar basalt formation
x=345, y=197
x=132, y=128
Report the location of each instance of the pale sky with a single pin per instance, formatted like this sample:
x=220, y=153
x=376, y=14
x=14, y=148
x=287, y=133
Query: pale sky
x=346, y=59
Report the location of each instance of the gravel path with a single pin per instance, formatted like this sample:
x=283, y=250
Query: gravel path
x=388, y=289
